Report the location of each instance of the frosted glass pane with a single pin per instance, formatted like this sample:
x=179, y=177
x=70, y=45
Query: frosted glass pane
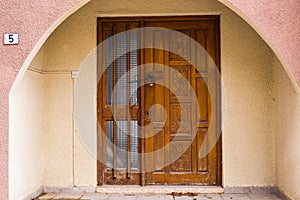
x=109, y=143
x=121, y=144
x=134, y=160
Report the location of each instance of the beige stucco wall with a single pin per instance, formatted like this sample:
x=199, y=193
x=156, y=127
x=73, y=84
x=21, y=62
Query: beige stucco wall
x=85, y=123
x=58, y=129
x=248, y=137
x=247, y=65
x=26, y=135
x=287, y=138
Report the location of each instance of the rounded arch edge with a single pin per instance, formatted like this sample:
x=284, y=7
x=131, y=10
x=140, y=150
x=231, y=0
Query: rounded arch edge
x=81, y=3
x=252, y=24
x=43, y=39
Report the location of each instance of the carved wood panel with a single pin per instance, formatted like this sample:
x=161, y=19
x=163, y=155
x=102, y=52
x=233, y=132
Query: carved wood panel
x=180, y=45
x=180, y=122
x=180, y=87
x=183, y=163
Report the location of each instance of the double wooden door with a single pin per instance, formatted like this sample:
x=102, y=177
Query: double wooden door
x=151, y=129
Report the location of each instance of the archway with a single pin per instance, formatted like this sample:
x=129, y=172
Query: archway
x=29, y=59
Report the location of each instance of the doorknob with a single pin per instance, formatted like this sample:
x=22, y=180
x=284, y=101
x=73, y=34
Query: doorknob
x=150, y=79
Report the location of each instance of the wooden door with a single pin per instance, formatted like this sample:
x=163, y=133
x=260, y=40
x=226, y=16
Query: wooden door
x=158, y=108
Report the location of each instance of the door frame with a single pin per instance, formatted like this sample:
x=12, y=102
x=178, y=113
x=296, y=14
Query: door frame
x=141, y=19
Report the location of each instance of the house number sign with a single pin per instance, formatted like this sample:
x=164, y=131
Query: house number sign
x=11, y=38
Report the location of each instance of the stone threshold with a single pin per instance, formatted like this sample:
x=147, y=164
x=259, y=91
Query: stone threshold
x=159, y=189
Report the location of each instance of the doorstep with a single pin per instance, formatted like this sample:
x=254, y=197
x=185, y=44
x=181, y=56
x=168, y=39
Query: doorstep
x=159, y=189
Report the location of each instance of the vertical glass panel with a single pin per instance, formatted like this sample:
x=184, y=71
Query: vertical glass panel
x=133, y=72
x=109, y=144
x=134, y=160
x=121, y=62
x=121, y=69
x=121, y=144
x=109, y=70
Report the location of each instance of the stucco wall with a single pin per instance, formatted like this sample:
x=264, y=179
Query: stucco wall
x=246, y=69
x=26, y=135
x=278, y=23
x=287, y=137
x=248, y=138
x=85, y=123
x=58, y=129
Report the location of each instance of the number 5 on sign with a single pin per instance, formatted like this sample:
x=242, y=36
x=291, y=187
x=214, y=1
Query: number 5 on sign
x=11, y=38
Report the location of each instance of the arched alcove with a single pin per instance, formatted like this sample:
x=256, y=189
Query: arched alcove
x=56, y=157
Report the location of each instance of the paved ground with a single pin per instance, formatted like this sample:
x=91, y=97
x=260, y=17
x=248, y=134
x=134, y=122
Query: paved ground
x=95, y=196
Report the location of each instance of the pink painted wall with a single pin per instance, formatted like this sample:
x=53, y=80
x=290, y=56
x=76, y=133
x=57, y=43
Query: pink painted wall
x=278, y=21
x=30, y=19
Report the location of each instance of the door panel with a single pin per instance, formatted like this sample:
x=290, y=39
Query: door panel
x=188, y=168
x=119, y=109
x=156, y=108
